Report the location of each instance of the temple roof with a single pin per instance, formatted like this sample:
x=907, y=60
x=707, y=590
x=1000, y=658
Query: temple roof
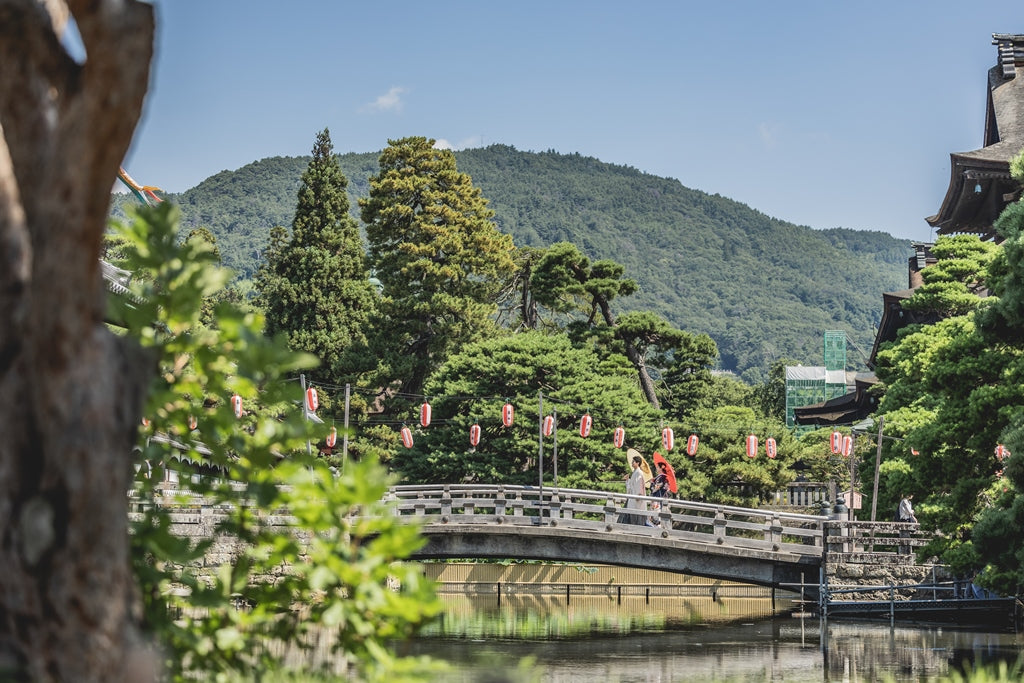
x=980, y=185
x=842, y=410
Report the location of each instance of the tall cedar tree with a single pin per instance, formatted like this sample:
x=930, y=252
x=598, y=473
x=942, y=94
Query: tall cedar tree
x=438, y=255
x=316, y=287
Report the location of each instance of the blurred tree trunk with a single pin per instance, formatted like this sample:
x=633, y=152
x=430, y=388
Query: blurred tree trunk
x=70, y=391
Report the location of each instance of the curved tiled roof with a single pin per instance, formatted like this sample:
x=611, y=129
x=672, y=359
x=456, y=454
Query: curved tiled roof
x=116, y=279
x=980, y=185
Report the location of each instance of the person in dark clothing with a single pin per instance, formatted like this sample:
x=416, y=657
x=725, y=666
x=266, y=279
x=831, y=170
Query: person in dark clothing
x=659, y=489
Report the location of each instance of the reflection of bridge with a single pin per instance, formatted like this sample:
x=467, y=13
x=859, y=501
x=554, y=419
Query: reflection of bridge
x=763, y=547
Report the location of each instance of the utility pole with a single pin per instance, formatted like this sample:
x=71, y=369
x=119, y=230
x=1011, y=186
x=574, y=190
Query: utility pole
x=878, y=463
x=305, y=413
x=540, y=440
x=344, y=434
x=554, y=442
x=305, y=416
x=540, y=454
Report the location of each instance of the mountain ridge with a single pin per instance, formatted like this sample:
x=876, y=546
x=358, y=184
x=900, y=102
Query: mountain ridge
x=761, y=287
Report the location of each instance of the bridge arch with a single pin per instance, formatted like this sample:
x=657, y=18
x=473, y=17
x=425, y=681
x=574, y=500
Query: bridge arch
x=761, y=547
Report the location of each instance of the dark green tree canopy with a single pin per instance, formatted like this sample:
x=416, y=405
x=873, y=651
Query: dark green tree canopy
x=438, y=255
x=315, y=286
x=951, y=286
x=565, y=280
x=953, y=392
x=471, y=387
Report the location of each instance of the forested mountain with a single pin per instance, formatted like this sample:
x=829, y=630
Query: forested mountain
x=762, y=288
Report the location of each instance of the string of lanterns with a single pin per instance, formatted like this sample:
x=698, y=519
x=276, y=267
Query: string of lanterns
x=585, y=427
x=312, y=403
x=839, y=443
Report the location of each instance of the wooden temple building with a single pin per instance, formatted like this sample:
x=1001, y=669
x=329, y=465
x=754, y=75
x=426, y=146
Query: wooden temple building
x=980, y=187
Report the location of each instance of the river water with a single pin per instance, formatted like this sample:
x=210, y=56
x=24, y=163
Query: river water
x=529, y=638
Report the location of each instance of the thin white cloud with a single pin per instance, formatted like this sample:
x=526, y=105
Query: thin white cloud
x=389, y=101
x=465, y=143
x=769, y=134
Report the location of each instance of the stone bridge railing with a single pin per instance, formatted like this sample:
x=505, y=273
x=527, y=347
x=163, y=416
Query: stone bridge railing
x=589, y=511
x=765, y=546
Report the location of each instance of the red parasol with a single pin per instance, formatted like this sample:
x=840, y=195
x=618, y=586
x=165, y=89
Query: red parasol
x=658, y=459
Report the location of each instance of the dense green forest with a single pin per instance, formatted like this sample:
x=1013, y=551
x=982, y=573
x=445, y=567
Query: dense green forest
x=762, y=288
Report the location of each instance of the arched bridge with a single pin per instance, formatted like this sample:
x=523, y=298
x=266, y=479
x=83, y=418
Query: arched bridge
x=763, y=547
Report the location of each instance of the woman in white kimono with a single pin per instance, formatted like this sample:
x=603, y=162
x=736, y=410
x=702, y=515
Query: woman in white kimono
x=635, y=486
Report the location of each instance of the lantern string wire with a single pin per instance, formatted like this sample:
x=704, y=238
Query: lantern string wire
x=600, y=421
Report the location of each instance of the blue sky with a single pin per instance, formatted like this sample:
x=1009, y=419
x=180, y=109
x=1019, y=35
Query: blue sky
x=826, y=114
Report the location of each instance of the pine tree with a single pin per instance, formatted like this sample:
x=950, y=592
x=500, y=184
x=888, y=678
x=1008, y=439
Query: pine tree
x=565, y=280
x=315, y=286
x=438, y=255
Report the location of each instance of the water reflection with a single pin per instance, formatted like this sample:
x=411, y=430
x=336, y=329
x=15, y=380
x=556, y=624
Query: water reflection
x=595, y=638
x=560, y=616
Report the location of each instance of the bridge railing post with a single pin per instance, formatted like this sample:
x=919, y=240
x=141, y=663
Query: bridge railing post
x=518, y=505
x=838, y=534
x=774, y=525
x=555, y=507
x=720, y=524
x=611, y=511
x=446, y=502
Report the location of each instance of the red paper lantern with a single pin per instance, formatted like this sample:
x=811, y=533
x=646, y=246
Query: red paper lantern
x=312, y=400
x=691, y=445
x=668, y=438
x=619, y=437
x=751, y=446
x=236, y=405
x=586, y=422
x=770, y=448
x=406, y=437
x=508, y=413
x=425, y=414
x=549, y=425
x=847, y=446
x=332, y=437
x=836, y=442
x=474, y=435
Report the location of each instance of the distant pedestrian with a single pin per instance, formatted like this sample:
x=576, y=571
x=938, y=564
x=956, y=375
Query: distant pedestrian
x=635, y=486
x=905, y=511
x=659, y=489
x=659, y=485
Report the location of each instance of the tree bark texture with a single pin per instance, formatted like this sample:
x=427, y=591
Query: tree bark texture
x=70, y=391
